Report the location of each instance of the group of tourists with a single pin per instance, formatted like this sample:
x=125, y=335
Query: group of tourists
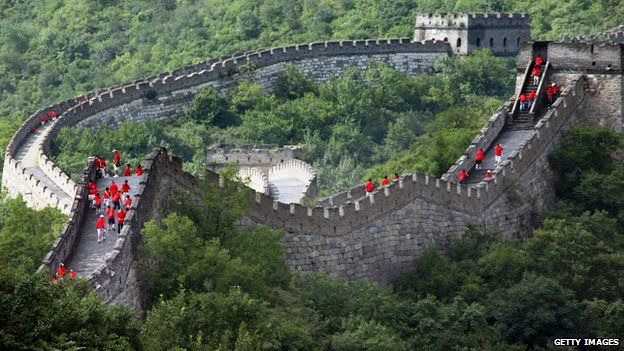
x=61, y=273
x=45, y=117
x=101, y=169
x=115, y=199
x=385, y=182
x=526, y=101
x=479, y=157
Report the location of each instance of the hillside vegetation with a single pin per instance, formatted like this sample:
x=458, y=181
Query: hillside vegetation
x=56, y=49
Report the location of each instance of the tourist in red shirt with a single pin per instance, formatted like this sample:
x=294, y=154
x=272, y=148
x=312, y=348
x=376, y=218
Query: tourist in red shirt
x=116, y=156
x=43, y=119
x=100, y=227
x=127, y=171
x=125, y=187
x=385, y=181
x=128, y=203
x=139, y=170
x=488, y=175
x=121, y=216
x=61, y=271
x=72, y=274
x=103, y=167
x=550, y=95
x=531, y=98
x=555, y=88
x=539, y=61
x=396, y=177
x=113, y=188
x=498, y=153
x=479, y=158
x=110, y=214
x=536, y=74
x=524, y=103
x=116, y=201
x=97, y=202
x=370, y=186
x=51, y=115
x=107, y=197
x=462, y=176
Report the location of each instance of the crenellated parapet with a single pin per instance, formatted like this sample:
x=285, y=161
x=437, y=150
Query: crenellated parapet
x=262, y=157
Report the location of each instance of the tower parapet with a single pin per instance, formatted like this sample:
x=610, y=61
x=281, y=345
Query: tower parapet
x=501, y=32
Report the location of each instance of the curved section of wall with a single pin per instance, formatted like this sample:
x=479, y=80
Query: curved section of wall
x=299, y=170
x=255, y=179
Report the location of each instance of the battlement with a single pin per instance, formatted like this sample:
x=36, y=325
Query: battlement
x=263, y=157
x=466, y=20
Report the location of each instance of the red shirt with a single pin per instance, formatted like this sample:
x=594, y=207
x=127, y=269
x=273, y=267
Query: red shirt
x=102, y=163
x=91, y=185
x=538, y=61
x=43, y=117
x=498, y=150
x=479, y=155
x=110, y=213
x=107, y=194
x=138, y=171
x=51, y=114
x=93, y=191
x=549, y=92
x=396, y=177
x=127, y=172
x=100, y=223
x=523, y=98
x=370, y=187
x=121, y=215
x=462, y=175
x=536, y=72
x=555, y=89
x=385, y=182
x=97, y=162
x=532, y=95
x=113, y=188
x=116, y=157
x=488, y=175
x=128, y=203
x=72, y=275
x=125, y=187
x=61, y=271
x=116, y=197
x=97, y=200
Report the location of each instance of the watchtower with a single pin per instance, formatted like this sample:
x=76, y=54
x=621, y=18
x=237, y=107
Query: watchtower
x=502, y=33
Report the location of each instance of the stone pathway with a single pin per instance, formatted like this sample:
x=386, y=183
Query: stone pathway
x=87, y=255
x=510, y=140
x=28, y=156
x=289, y=190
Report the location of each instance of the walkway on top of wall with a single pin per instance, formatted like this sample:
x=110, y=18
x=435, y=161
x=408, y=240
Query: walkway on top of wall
x=27, y=154
x=88, y=255
x=289, y=189
x=511, y=141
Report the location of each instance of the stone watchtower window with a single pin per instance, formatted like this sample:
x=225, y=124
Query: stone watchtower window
x=458, y=42
x=491, y=42
x=478, y=42
x=505, y=42
x=518, y=43
x=445, y=40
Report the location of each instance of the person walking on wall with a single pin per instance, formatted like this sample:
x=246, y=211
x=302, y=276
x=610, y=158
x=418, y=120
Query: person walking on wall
x=488, y=175
x=539, y=61
x=524, y=102
x=498, y=153
x=531, y=98
x=107, y=197
x=125, y=187
x=550, y=95
x=97, y=203
x=127, y=171
x=103, y=167
x=121, y=217
x=72, y=274
x=479, y=158
x=536, y=75
x=385, y=181
x=370, y=186
x=396, y=177
x=462, y=176
x=61, y=271
x=139, y=170
x=100, y=226
x=116, y=201
x=128, y=203
x=110, y=214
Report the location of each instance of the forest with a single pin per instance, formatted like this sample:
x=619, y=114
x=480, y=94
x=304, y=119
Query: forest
x=217, y=286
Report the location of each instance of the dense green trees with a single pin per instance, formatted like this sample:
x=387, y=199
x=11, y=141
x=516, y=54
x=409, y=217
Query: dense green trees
x=346, y=125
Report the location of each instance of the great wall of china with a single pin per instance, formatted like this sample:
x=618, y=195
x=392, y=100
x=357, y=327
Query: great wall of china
x=348, y=235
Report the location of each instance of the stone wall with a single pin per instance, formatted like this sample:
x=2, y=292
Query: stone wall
x=255, y=178
x=262, y=157
x=318, y=61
